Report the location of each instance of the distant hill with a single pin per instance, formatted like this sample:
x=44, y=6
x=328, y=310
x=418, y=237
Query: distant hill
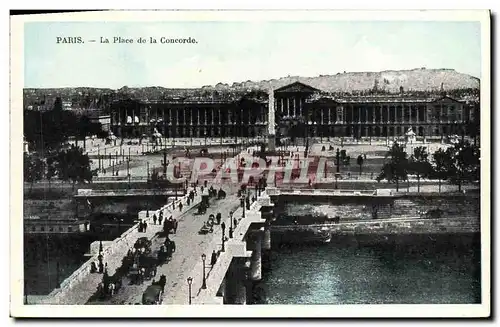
x=390, y=81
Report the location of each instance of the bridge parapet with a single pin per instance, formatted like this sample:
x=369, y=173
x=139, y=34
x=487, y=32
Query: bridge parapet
x=89, y=193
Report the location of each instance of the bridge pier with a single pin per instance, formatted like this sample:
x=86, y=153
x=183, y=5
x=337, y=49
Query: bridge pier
x=266, y=242
x=236, y=282
x=256, y=258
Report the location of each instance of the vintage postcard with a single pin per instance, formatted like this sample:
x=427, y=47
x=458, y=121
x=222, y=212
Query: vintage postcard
x=281, y=163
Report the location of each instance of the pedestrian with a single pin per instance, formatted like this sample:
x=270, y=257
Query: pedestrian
x=214, y=258
x=145, y=227
x=180, y=206
x=223, y=226
x=160, y=218
x=175, y=226
x=100, y=257
x=218, y=217
x=154, y=219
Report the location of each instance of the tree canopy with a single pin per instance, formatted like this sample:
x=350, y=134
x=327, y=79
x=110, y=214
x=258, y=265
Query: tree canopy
x=73, y=165
x=396, y=167
x=419, y=164
x=463, y=164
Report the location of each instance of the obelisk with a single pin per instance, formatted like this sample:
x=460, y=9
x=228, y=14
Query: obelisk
x=271, y=129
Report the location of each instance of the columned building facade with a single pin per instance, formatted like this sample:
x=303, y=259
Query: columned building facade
x=243, y=118
x=299, y=108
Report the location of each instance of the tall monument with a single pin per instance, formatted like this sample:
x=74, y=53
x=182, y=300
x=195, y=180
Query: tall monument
x=271, y=128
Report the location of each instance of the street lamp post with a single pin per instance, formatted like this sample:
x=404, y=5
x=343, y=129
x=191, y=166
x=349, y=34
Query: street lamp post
x=147, y=203
x=190, y=281
x=204, y=285
x=128, y=167
x=243, y=205
x=223, y=240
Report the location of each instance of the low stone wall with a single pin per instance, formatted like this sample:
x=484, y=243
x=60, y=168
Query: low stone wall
x=394, y=226
x=409, y=226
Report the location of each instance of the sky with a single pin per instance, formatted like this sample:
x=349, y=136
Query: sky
x=230, y=52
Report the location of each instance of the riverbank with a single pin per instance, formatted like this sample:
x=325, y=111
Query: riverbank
x=382, y=229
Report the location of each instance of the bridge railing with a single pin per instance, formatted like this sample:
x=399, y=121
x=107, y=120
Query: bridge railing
x=96, y=192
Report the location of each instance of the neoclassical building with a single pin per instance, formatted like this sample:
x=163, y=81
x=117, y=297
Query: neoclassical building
x=299, y=110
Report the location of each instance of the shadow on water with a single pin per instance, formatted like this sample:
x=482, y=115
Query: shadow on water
x=392, y=269
x=49, y=258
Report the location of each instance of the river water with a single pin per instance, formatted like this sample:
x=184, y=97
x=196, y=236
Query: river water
x=426, y=269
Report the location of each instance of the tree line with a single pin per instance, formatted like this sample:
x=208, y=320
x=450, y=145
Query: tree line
x=70, y=164
x=48, y=130
x=458, y=164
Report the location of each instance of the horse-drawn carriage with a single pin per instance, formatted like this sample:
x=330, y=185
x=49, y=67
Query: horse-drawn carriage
x=221, y=194
x=162, y=255
x=168, y=226
x=143, y=268
x=143, y=243
x=152, y=295
x=208, y=227
x=166, y=250
x=108, y=287
x=202, y=208
x=212, y=192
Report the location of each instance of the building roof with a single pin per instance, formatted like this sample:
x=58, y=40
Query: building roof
x=297, y=87
x=313, y=94
x=378, y=99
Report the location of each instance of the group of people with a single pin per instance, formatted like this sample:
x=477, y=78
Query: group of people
x=168, y=246
x=170, y=225
x=143, y=226
x=98, y=266
x=191, y=196
x=158, y=219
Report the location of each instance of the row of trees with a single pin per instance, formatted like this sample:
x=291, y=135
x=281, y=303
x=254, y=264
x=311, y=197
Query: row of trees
x=68, y=165
x=459, y=164
x=50, y=129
